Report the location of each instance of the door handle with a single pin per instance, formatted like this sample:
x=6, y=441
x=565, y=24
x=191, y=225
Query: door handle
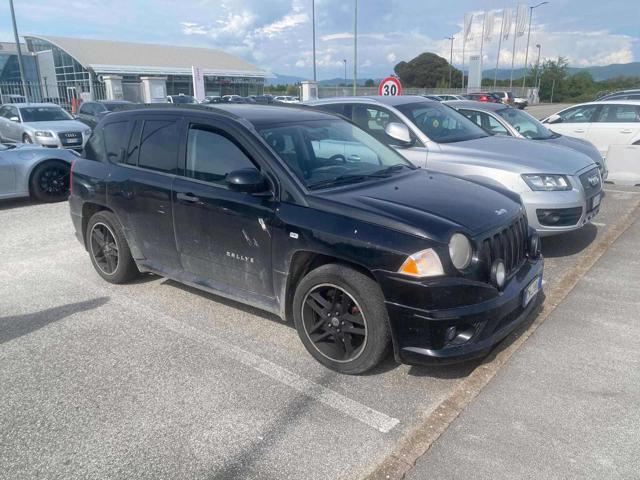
x=579, y=130
x=628, y=130
x=187, y=197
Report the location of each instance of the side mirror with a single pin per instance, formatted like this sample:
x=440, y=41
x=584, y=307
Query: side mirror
x=15, y=119
x=555, y=118
x=400, y=133
x=248, y=180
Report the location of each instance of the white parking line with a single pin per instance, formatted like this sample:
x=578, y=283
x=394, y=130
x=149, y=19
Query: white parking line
x=374, y=419
x=622, y=191
x=602, y=225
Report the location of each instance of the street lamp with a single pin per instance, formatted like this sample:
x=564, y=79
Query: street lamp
x=535, y=83
x=450, y=58
x=355, y=49
x=345, y=71
x=313, y=22
x=526, y=53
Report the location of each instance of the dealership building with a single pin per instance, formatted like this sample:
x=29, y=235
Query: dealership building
x=60, y=68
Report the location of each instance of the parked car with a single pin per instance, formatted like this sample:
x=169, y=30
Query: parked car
x=233, y=99
x=560, y=188
x=30, y=170
x=633, y=94
x=604, y=123
x=44, y=124
x=286, y=99
x=506, y=98
x=435, y=98
x=181, y=98
x=449, y=96
x=361, y=254
x=91, y=112
x=265, y=99
x=482, y=97
x=520, y=103
x=12, y=98
x=212, y=99
x=498, y=119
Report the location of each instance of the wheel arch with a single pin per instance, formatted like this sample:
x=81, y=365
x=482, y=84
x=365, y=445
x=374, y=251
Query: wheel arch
x=304, y=261
x=29, y=176
x=89, y=209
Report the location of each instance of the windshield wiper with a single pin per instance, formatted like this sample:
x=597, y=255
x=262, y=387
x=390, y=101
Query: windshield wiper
x=339, y=180
x=385, y=172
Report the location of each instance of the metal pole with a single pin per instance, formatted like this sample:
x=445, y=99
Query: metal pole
x=495, y=77
x=313, y=22
x=526, y=52
x=450, y=59
x=464, y=42
x=484, y=23
x=535, y=83
x=355, y=49
x=20, y=64
x=513, y=53
x=345, y=72
x=553, y=86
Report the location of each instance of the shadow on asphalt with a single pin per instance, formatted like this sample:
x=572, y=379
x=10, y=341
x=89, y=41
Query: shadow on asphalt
x=16, y=203
x=569, y=243
x=18, y=325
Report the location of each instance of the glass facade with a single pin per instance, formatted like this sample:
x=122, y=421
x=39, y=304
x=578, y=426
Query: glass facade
x=10, y=69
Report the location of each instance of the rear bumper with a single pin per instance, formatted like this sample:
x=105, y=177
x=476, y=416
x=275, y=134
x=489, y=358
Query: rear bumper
x=422, y=336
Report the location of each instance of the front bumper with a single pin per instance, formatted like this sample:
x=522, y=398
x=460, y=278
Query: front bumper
x=423, y=315
x=55, y=142
x=575, y=209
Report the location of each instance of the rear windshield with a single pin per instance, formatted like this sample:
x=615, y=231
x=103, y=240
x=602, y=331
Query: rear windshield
x=44, y=114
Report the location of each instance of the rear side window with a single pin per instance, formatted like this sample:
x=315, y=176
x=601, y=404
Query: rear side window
x=333, y=108
x=159, y=146
x=619, y=114
x=94, y=148
x=211, y=156
x=115, y=140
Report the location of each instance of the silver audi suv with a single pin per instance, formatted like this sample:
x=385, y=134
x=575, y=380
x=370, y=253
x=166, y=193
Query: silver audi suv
x=560, y=188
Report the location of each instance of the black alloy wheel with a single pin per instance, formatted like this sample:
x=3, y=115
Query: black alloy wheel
x=50, y=181
x=104, y=248
x=334, y=323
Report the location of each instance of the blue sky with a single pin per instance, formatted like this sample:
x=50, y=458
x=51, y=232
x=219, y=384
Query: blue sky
x=276, y=34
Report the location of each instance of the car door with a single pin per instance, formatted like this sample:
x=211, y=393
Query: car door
x=576, y=121
x=374, y=119
x=12, y=128
x=615, y=124
x=4, y=119
x=223, y=236
x=140, y=189
x=7, y=173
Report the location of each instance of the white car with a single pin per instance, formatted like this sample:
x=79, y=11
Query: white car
x=614, y=122
x=286, y=99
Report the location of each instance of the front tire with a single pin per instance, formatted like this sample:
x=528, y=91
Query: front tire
x=27, y=139
x=108, y=249
x=341, y=318
x=50, y=181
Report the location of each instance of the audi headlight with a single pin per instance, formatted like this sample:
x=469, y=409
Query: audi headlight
x=43, y=133
x=460, y=251
x=422, y=264
x=87, y=132
x=547, y=182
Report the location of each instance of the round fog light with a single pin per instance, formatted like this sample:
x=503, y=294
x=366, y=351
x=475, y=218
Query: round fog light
x=451, y=333
x=498, y=273
x=534, y=245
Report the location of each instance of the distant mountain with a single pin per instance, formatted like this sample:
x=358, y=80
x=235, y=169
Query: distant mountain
x=604, y=72
x=329, y=82
x=283, y=80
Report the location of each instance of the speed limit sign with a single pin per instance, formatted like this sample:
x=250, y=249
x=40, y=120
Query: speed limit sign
x=390, y=86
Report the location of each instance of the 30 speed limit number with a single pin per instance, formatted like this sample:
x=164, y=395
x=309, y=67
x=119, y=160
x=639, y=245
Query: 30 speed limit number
x=390, y=87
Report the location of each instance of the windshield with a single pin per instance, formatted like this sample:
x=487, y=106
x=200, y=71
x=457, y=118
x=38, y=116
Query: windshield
x=44, y=114
x=323, y=153
x=441, y=123
x=525, y=124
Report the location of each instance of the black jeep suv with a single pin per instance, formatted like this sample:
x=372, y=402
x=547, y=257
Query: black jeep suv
x=303, y=214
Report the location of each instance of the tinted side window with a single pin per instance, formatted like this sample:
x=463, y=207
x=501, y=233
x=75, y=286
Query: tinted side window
x=159, y=145
x=578, y=114
x=116, y=136
x=211, y=156
x=93, y=150
x=86, y=109
x=619, y=114
x=333, y=108
x=374, y=120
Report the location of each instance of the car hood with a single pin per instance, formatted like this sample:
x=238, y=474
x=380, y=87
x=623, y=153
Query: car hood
x=578, y=144
x=427, y=204
x=58, y=126
x=515, y=155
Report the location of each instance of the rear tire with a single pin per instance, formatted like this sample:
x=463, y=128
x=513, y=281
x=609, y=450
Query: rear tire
x=341, y=318
x=50, y=181
x=108, y=249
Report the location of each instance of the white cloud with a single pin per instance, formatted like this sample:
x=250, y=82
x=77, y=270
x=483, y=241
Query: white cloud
x=287, y=22
x=391, y=57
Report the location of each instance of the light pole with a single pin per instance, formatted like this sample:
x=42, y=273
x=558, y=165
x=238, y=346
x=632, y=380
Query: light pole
x=450, y=58
x=345, y=72
x=355, y=49
x=313, y=28
x=20, y=64
x=526, y=52
x=535, y=83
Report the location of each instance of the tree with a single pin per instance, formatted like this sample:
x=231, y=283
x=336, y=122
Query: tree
x=369, y=83
x=427, y=70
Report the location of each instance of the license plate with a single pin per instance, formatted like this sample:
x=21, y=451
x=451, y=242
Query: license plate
x=595, y=202
x=73, y=140
x=532, y=289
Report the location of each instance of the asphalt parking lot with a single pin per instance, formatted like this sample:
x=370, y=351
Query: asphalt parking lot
x=157, y=380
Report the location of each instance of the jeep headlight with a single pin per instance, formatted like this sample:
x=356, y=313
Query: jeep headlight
x=43, y=133
x=460, y=251
x=547, y=182
x=422, y=264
